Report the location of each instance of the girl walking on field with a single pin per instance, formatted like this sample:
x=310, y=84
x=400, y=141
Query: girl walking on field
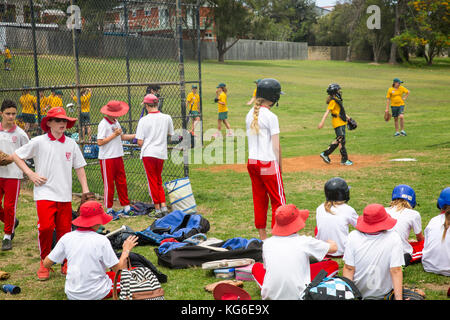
x=396, y=97
x=221, y=99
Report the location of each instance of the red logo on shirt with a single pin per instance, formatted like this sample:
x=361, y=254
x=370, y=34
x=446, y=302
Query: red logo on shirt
x=14, y=139
x=68, y=155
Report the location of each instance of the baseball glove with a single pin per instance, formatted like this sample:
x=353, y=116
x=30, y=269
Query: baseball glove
x=4, y=159
x=351, y=124
x=387, y=116
x=85, y=197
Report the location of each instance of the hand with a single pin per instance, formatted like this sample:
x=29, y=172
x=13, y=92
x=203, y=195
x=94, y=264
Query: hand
x=37, y=179
x=130, y=243
x=117, y=132
x=320, y=126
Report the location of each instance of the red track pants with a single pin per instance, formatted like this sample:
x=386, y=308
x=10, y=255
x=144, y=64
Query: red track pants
x=9, y=193
x=267, y=183
x=113, y=172
x=52, y=216
x=153, y=169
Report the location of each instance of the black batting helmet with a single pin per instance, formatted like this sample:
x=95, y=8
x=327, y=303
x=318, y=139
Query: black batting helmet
x=336, y=189
x=334, y=89
x=269, y=89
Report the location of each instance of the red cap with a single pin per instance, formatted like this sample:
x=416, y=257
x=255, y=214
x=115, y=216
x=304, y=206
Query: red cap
x=115, y=108
x=150, y=99
x=289, y=220
x=226, y=291
x=91, y=214
x=375, y=219
x=59, y=113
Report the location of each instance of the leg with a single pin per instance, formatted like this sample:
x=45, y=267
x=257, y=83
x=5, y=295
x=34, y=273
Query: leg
x=227, y=124
x=107, y=170
x=274, y=186
x=396, y=124
x=121, y=182
x=63, y=219
x=159, y=165
x=260, y=199
x=46, y=211
x=219, y=125
x=151, y=179
x=11, y=192
x=402, y=121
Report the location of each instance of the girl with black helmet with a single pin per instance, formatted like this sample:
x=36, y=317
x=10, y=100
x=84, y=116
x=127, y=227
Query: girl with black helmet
x=264, y=159
x=338, y=121
x=334, y=216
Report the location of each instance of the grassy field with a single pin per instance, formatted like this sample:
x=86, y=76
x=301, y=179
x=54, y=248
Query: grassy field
x=224, y=196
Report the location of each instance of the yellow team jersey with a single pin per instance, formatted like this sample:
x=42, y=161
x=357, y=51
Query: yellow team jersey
x=8, y=54
x=85, y=102
x=54, y=101
x=28, y=102
x=335, y=109
x=396, y=96
x=193, y=101
x=43, y=105
x=222, y=98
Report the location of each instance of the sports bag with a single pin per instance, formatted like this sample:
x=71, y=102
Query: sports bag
x=90, y=151
x=137, y=284
x=334, y=288
x=181, y=196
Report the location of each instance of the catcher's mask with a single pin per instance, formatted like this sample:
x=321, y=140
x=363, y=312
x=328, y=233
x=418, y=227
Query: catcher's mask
x=336, y=189
x=335, y=90
x=269, y=89
x=404, y=191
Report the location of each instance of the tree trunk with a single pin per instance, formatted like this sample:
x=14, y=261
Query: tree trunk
x=393, y=53
x=359, y=5
x=222, y=48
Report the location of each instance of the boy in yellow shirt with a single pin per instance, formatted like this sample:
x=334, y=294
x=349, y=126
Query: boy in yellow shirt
x=8, y=58
x=85, y=99
x=396, y=97
x=28, y=103
x=338, y=121
x=221, y=99
x=193, y=102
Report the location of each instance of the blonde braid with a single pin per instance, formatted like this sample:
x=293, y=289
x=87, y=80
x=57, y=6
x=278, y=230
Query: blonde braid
x=254, y=125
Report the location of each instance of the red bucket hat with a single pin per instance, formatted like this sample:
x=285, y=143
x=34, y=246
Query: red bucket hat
x=58, y=113
x=115, y=108
x=375, y=219
x=91, y=214
x=226, y=291
x=289, y=220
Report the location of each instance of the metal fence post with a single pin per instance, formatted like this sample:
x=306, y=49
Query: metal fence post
x=127, y=63
x=36, y=69
x=199, y=59
x=77, y=80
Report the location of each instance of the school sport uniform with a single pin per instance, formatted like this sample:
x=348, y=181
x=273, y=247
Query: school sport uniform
x=334, y=226
x=193, y=101
x=111, y=164
x=373, y=255
x=28, y=102
x=55, y=101
x=85, y=101
x=436, y=251
x=153, y=129
x=339, y=128
x=263, y=167
x=222, y=108
x=54, y=160
x=10, y=176
x=397, y=103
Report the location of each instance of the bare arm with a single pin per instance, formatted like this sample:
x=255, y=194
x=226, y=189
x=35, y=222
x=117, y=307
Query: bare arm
x=33, y=176
x=348, y=271
x=128, y=244
x=277, y=148
x=397, y=282
x=325, y=115
x=140, y=143
x=81, y=174
x=388, y=102
x=420, y=237
x=128, y=136
x=48, y=263
x=333, y=246
x=115, y=134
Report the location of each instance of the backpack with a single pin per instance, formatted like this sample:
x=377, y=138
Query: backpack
x=335, y=288
x=181, y=196
x=137, y=284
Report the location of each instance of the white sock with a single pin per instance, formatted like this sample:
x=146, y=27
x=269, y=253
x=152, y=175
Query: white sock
x=7, y=236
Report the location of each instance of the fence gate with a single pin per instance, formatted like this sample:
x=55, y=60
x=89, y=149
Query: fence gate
x=90, y=52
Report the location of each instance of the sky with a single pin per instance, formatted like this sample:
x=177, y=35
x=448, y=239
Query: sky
x=323, y=3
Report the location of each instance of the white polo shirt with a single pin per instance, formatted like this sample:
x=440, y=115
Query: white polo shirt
x=407, y=220
x=54, y=160
x=335, y=226
x=260, y=145
x=88, y=255
x=286, y=260
x=373, y=255
x=153, y=129
x=10, y=141
x=114, y=148
x=436, y=252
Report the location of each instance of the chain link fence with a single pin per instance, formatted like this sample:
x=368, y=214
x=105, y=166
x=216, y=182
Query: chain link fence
x=82, y=54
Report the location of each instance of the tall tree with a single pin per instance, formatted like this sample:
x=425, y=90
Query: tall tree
x=357, y=7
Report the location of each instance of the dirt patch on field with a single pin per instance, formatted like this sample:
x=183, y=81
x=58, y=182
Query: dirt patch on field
x=311, y=163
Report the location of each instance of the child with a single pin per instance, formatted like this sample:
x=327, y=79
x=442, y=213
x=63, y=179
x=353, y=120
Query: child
x=221, y=99
x=436, y=249
x=335, y=215
x=54, y=156
x=338, y=121
x=401, y=209
x=252, y=100
x=28, y=103
x=151, y=134
x=396, y=97
x=43, y=104
x=193, y=100
x=286, y=255
x=55, y=99
x=11, y=138
x=264, y=154
x=88, y=254
x=7, y=61
x=373, y=255
x=109, y=139
x=85, y=100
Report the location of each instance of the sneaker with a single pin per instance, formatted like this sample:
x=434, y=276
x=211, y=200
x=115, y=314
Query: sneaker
x=325, y=158
x=127, y=214
x=6, y=244
x=115, y=215
x=217, y=134
x=43, y=273
x=230, y=133
x=347, y=163
x=403, y=133
x=397, y=134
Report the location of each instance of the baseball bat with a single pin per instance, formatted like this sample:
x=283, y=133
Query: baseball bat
x=112, y=233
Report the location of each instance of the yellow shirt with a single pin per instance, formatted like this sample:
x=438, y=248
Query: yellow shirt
x=396, y=96
x=54, y=101
x=335, y=109
x=222, y=98
x=85, y=102
x=8, y=54
x=193, y=101
x=27, y=102
x=43, y=104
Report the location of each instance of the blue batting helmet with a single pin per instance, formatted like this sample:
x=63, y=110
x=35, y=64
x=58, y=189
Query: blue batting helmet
x=444, y=198
x=404, y=191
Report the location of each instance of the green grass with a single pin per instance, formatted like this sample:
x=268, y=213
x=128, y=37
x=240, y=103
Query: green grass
x=224, y=197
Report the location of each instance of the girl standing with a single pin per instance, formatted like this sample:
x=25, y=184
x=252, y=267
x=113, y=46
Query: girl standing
x=338, y=121
x=264, y=158
x=396, y=97
x=221, y=99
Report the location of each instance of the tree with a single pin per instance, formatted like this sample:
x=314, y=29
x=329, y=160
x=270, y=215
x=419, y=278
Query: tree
x=231, y=20
x=427, y=28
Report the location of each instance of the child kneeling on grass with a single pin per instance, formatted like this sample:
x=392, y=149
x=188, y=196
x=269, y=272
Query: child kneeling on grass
x=88, y=255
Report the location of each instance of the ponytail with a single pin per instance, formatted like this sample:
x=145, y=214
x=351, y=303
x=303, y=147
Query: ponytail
x=400, y=204
x=254, y=125
x=330, y=203
x=328, y=99
x=446, y=211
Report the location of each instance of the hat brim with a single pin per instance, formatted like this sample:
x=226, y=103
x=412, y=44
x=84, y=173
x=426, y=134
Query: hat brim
x=124, y=107
x=226, y=291
x=386, y=224
x=294, y=227
x=70, y=122
x=86, y=222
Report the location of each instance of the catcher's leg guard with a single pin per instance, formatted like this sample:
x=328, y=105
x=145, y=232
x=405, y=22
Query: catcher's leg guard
x=344, y=155
x=331, y=148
